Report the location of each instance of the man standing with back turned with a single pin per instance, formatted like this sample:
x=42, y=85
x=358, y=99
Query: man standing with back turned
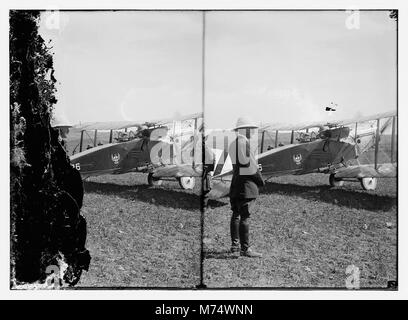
x=246, y=179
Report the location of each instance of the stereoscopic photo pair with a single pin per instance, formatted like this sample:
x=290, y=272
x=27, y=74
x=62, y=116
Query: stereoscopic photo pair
x=203, y=149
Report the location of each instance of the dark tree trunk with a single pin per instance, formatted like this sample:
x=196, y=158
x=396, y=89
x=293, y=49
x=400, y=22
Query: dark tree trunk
x=45, y=191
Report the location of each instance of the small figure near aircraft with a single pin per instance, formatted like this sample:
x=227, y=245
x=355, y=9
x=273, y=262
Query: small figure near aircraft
x=62, y=125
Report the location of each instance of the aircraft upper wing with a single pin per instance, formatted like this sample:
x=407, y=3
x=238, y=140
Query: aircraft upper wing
x=290, y=127
x=177, y=118
x=315, y=124
x=118, y=125
x=109, y=125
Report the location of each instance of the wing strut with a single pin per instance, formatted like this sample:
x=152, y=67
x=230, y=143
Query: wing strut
x=262, y=140
x=392, y=139
x=95, y=136
x=81, y=141
x=377, y=140
x=194, y=140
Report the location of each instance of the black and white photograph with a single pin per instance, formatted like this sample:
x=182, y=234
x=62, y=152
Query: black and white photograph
x=127, y=114
x=203, y=149
x=318, y=89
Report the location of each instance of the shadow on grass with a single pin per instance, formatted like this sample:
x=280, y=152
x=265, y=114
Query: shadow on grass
x=222, y=254
x=341, y=197
x=158, y=196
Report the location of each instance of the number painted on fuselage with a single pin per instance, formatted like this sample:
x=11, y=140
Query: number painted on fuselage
x=76, y=166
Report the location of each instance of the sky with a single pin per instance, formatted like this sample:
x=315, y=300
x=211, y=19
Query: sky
x=286, y=67
x=279, y=67
x=125, y=65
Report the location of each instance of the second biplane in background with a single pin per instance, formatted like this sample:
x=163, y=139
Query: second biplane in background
x=347, y=150
x=147, y=147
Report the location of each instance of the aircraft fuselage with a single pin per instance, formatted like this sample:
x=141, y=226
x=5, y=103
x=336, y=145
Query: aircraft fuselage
x=305, y=157
x=115, y=158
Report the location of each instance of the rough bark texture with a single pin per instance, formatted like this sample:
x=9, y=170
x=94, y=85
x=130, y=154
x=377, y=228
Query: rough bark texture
x=45, y=191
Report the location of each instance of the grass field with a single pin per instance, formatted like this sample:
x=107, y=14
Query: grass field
x=308, y=234
x=141, y=236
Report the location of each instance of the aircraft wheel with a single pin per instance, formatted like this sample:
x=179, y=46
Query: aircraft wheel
x=334, y=182
x=369, y=183
x=153, y=181
x=187, y=182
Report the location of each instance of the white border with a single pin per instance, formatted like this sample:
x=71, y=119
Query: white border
x=5, y=293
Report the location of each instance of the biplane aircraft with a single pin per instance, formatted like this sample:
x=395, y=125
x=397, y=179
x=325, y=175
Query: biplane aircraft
x=146, y=147
x=335, y=148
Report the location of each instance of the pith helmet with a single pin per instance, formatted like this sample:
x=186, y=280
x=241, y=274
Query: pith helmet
x=245, y=123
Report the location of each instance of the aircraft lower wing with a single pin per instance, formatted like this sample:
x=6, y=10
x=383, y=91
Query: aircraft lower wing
x=221, y=184
x=178, y=171
x=386, y=170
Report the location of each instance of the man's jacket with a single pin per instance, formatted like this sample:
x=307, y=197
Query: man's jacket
x=246, y=176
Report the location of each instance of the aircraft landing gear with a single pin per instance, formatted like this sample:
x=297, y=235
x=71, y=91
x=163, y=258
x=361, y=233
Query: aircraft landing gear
x=187, y=183
x=334, y=182
x=152, y=181
x=368, y=183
